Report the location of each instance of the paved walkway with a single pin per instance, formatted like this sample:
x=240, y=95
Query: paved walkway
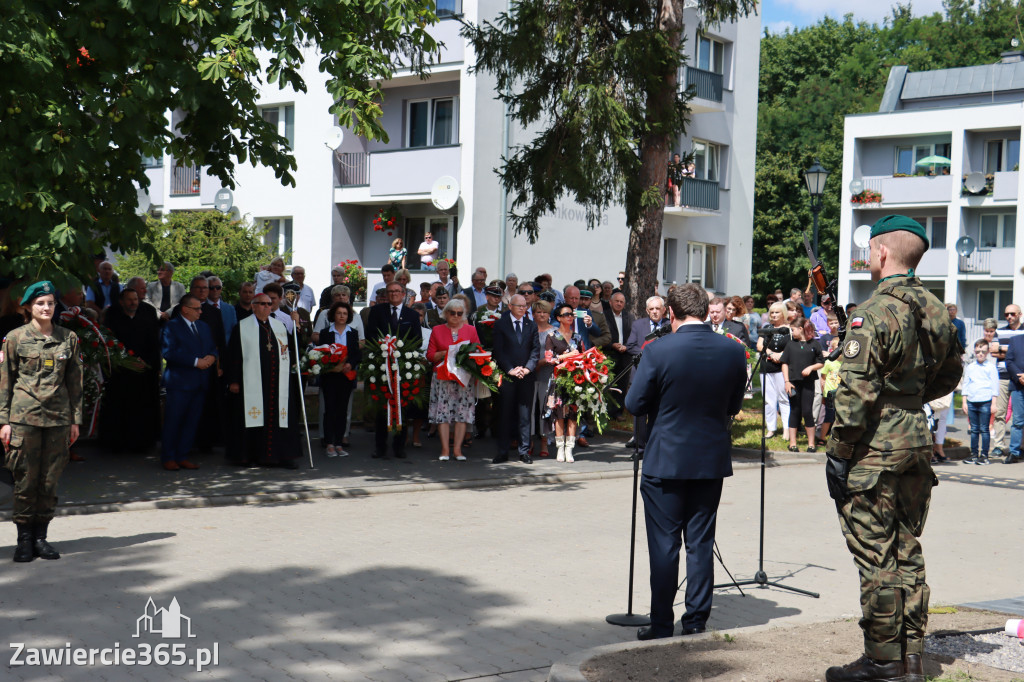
x=485, y=583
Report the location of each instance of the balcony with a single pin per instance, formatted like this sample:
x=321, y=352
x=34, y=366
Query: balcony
x=707, y=89
x=366, y=177
x=995, y=262
x=917, y=189
x=185, y=181
x=696, y=193
x=860, y=259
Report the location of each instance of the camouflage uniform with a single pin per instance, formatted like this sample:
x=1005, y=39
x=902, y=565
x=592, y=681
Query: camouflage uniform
x=889, y=370
x=40, y=397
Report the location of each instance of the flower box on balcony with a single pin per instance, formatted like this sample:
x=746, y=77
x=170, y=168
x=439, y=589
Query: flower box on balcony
x=868, y=196
x=859, y=265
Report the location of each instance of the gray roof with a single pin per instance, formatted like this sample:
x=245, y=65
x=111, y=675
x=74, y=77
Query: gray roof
x=970, y=80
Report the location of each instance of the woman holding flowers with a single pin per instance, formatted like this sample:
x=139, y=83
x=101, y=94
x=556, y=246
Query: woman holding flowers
x=336, y=386
x=451, y=403
x=542, y=317
x=561, y=343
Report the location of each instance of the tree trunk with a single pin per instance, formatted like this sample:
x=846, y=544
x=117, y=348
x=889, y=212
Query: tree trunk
x=645, y=226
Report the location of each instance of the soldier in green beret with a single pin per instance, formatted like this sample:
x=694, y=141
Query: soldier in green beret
x=901, y=351
x=40, y=411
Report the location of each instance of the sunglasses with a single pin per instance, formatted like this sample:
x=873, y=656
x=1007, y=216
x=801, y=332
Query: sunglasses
x=565, y=314
x=216, y=287
x=526, y=292
x=1011, y=314
x=456, y=313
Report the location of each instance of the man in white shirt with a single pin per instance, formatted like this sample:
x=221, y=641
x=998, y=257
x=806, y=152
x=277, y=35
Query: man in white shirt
x=388, y=273
x=306, y=297
x=428, y=251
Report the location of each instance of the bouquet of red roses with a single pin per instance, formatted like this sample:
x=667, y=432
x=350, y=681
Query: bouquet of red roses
x=584, y=377
x=326, y=358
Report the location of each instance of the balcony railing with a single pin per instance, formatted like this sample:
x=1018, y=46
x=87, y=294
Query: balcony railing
x=978, y=262
x=353, y=169
x=699, y=193
x=860, y=259
x=185, y=180
x=706, y=84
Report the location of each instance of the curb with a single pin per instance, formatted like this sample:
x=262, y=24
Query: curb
x=333, y=493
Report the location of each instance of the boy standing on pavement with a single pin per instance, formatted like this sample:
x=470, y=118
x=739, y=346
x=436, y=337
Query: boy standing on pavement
x=980, y=387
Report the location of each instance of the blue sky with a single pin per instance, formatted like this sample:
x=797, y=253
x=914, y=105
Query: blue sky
x=777, y=15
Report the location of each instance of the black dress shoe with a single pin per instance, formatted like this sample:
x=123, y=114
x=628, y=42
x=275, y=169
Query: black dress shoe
x=526, y=459
x=913, y=668
x=500, y=459
x=400, y=455
x=693, y=631
x=290, y=464
x=378, y=455
x=866, y=669
x=629, y=443
x=644, y=634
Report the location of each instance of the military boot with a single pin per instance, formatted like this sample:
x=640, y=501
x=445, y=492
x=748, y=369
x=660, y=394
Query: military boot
x=866, y=669
x=24, y=550
x=913, y=666
x=41, y=548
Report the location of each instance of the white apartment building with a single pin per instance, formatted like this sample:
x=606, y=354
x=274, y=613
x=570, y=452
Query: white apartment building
x=452, y=125
x=973, y=116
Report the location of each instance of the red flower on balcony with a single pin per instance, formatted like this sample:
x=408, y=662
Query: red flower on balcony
x=868, y=196
x=386, y=218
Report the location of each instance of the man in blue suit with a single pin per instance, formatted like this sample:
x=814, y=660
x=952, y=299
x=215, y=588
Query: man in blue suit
x=691, y=382
x=516, y=352
x=190, y=352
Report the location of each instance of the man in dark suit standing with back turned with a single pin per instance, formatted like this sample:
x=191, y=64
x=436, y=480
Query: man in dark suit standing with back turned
x=690, y=382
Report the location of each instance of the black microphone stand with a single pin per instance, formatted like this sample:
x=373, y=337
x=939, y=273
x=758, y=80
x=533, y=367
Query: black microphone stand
x=760, y=577
x=630, y=619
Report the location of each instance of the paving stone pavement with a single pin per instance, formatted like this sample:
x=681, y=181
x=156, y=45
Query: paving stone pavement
x=474, y=584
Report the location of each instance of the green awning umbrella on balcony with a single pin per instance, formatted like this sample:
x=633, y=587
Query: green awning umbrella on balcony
x=934, y=160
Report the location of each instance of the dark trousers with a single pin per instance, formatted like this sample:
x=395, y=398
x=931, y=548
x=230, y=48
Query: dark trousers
x=675, y=510
x=802, y=406
x=978, y=415
x=380, y=434
x=336, y=391
x=516, y=397
x=181, y=419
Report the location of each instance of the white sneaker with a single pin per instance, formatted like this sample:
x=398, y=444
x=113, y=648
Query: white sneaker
x=443, y=458
x=331, y=452
x=340, y=453
x=461, y=458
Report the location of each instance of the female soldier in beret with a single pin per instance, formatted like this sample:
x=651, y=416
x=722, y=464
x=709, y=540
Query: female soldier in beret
x=40, y=411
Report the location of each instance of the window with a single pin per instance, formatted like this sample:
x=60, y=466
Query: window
x=152, y=161
x=705, y=160
x=282, y=116
x=448, y=8
x=441, y=227
x=700, y=264
x=668, y=260
x=992, y=302
x=278, y=236
x=710, y=55
x=1002, y=155
x=935, y=228
x=431, y=122
x=908, y=156
x=998, y=231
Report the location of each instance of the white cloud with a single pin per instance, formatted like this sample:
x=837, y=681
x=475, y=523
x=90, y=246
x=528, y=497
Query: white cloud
x=872, y=11
x=779, y=27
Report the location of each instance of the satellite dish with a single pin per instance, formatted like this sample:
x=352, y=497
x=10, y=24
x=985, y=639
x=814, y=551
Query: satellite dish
x=234, y=213
x=861, y=236
x=964, y=246
x=223, y=200
x=856, y=186
x=444, y=193
x=143, y=202
x=975, y=182
x=333, y=137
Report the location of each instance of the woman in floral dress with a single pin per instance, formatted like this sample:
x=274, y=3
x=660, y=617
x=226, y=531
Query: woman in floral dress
x=450, y=402
x=560, y=411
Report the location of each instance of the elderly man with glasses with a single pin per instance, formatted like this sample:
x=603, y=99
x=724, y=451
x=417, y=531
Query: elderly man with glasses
x=1000, y=424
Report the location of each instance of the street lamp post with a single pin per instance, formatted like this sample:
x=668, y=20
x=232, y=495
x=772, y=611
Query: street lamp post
x=815, y=177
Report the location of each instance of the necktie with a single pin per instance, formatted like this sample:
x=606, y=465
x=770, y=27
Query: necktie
x=654, y=326
x=394, y=315
x=195, y=332
x=716, y=328
x=519, y=331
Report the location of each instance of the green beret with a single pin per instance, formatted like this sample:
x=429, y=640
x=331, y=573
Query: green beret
x=896, y=223
x=38, y=289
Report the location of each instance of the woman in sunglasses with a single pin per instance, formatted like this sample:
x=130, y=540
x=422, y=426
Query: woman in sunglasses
x=450, y=402
x=560, y=411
